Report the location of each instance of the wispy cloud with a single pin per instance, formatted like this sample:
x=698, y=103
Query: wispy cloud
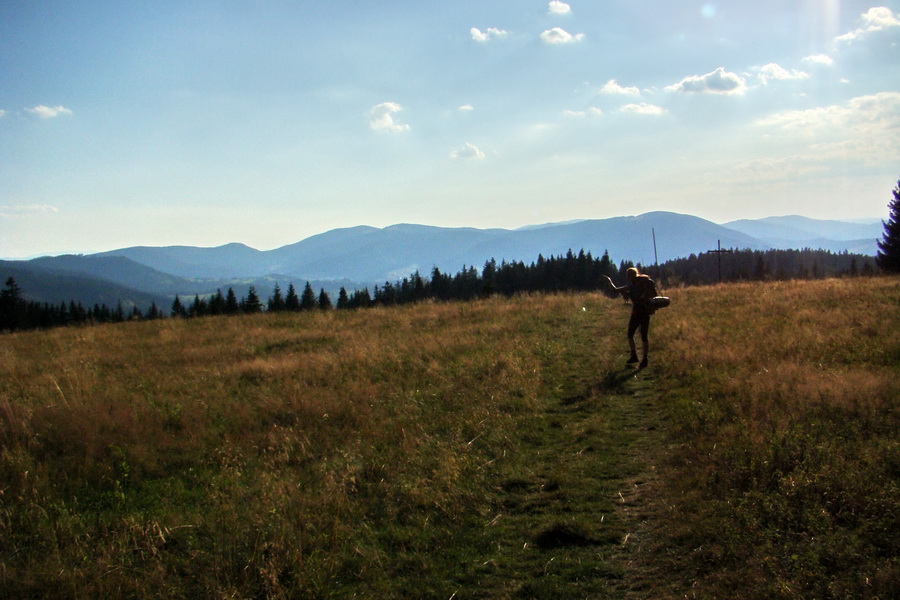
x=862, y=128
x=381, y=117
x=27, y=209
x=875, y=19
x=719, y=81
x=468, y=151
x=48, y=112
x=491, y=33
x=776, y=72
x=466, y=108
x=612, y=87
x=583, y=114
x=559, y=8
x=819, y=59
x=558, y=35
x=879, y=110
x=643, y=109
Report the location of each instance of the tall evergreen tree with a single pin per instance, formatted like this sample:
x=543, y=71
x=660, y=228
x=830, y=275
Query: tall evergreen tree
x=276, y=302
x=232, y=306
x=199, y=307
x=178, y=309
x=12, y=306
x=324, y=300
x=343, y=300
x=252, y=304
x=217, y=303
x=292, y=301
x=308, y=299
x=889, y=247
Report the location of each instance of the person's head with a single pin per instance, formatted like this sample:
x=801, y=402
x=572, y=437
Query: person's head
x=631, y=274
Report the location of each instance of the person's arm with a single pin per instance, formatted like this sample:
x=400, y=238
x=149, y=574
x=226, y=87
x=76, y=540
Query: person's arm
x=619, y=290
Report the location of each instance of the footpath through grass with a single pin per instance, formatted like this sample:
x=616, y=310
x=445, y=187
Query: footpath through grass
x=569, y=509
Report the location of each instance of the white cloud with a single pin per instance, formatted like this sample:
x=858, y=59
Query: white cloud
x=719, y=81
x=643, y=109
x=773, y=71
x=2, y=113
x=466, y=108
x=560, y=36
x=559, y=8
x=486, y=36
x=881, y=110
x=468, y=151
x=819, y=59
x=863, y=128
x=611, y=87
x=583, y=114
x=28, y=209
x=381, y=117
x=48, y=112
x=875, y=19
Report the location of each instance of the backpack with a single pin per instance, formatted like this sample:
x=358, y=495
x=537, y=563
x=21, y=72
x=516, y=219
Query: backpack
x=647, y=294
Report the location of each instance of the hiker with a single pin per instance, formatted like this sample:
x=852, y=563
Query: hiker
x=640, y=289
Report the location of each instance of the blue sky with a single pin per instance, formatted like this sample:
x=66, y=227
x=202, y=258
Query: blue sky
x=265, y=122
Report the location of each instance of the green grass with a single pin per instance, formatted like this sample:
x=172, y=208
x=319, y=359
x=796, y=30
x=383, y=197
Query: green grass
x=495, y=449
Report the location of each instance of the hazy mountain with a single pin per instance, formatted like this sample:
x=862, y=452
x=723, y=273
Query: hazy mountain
x=798, y=229
x=231, y=261
x=365, y=256
x=120, y=271
x=373, y=255
x=53, y=286
x=108, y=279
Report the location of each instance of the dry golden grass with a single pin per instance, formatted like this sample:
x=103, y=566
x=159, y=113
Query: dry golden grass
x=252, y=451
x=785, y=399
x=402, y=452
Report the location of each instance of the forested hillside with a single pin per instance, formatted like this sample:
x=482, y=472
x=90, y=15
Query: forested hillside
x=569, y=272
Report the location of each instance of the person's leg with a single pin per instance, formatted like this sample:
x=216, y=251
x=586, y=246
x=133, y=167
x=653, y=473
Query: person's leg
x=645, y=338
x=633, y=325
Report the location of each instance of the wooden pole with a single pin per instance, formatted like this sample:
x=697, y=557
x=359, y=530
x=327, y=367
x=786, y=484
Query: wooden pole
x=719, y=252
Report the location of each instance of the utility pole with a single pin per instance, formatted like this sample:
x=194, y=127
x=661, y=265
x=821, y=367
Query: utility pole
x=719, y=252
x=655, y=255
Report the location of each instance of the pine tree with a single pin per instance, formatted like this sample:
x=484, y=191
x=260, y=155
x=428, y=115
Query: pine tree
x=308, y=299
x=178, y=309
x=324, y=300
x=232, y=307
x=252, y=304
x=889, y=247
x=276, y=302
x=198, y=308
x=217, y=303
x=343, y=300
x=292, y=302
x=12, y=307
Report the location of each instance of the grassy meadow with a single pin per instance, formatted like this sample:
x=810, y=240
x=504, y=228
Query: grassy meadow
x=492, y=449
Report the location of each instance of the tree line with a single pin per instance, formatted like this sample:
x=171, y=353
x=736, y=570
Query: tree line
x=570, y=272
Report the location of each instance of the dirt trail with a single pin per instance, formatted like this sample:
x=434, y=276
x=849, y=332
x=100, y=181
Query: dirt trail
x=576, y=516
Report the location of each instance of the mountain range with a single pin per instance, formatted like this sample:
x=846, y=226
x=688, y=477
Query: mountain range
x=365, y=256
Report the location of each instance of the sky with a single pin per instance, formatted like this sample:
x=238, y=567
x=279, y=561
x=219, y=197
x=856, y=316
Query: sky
x=264, y=122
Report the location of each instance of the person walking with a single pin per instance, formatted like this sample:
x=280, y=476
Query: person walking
x=640, y=289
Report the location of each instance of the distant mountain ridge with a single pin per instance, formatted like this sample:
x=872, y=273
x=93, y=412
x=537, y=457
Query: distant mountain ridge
x=361, y=256
x=369, y=254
